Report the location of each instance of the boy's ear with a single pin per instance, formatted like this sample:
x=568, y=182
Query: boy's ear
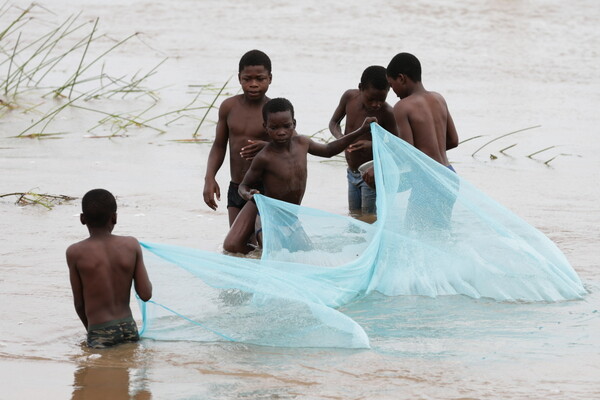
x=270, y=78
x=360, y=86
x=82, y=219
x=113, y=218
x=294, y=119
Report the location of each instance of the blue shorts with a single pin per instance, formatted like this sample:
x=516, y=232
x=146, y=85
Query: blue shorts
x=361, y=197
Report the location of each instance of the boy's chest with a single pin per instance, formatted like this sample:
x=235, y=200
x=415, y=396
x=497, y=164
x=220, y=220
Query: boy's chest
x=246, y=124
x=356, y=114
x=288, y=166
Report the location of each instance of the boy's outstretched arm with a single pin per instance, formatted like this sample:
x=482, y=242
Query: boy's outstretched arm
x=216, y=158
x=76, y=286
x=338, y=115
x=142, y=284
x=337, y=146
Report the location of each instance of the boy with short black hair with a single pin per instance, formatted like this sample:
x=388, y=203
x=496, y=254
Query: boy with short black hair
x=239, y=126
x=281, y=166
x=424, y=121
x=369, y=100
x=422, y=116
x=102, y=269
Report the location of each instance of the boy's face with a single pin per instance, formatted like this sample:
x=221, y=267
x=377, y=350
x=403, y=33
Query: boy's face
x=398, y=85
x=280, y=126
x=255, y=81
x=373, y=99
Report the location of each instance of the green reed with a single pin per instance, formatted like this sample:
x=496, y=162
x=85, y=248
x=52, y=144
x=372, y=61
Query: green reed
x=33, y=198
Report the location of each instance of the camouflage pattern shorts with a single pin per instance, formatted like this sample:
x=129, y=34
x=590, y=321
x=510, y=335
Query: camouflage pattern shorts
x=112, y=332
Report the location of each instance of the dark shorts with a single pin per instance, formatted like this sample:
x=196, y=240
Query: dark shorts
x=233, y=196
x=112, y=332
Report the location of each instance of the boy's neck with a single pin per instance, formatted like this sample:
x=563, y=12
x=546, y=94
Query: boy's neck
x=416, y=87
x=99, y=232
x=281, y=146
x=254, y=102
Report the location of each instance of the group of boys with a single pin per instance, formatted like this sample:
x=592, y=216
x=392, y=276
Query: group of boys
x=266, y=156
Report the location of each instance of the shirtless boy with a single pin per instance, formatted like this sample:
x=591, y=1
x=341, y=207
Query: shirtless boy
x=102, y=269
x=369, y=100
x=240, y=124
x=424, y=121
x=281, y=166
x=422, y=116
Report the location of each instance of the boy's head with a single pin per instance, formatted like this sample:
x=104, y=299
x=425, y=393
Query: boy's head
x=98, y=208
x=278, y=117
x=406, y=64
x=255, y=74
x=255, y=58
x=403, y=70
x=374, y=87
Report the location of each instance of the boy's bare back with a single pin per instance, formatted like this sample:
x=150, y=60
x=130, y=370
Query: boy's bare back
x=422, y=116
x=103, y=267
x=102, y=270
x=424, y=121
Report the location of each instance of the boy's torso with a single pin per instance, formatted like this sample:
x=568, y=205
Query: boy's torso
x=244, y=122
x=355, y=116
x=428, y=117
x=106, y=269
x=286, y=173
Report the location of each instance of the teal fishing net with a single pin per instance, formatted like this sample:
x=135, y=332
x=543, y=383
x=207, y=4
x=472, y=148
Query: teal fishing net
x=435, y=235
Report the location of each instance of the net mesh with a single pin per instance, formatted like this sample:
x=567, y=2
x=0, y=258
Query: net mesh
x=435, y=235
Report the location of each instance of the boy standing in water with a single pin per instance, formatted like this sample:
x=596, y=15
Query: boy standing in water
x=369, y=100
x=281, y=166
x=240, y=124
x=101, y=270
x=422, y=116
x=424, y=121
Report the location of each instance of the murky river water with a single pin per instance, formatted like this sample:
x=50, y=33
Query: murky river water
x=502, y=65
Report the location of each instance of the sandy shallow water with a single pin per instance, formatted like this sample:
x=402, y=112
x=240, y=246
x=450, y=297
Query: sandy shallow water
x=502, y=66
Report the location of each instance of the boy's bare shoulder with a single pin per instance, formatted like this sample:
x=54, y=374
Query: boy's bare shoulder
x=350, y=94
x=76, y=248
x=126, y=240
x=229, y=103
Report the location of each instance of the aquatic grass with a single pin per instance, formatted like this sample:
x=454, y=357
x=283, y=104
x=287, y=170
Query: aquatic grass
x=469, y=139
x=45, y=200
x=28, y=64
x=49, y=117
x=15, y=21
x=539, y=151
x=72, y=81
x=506, y=148
x=211, y=106
x=122, y=121
x=503, y=136
x=87, y=46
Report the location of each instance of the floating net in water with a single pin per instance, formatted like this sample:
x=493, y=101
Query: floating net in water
x=435, y=235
